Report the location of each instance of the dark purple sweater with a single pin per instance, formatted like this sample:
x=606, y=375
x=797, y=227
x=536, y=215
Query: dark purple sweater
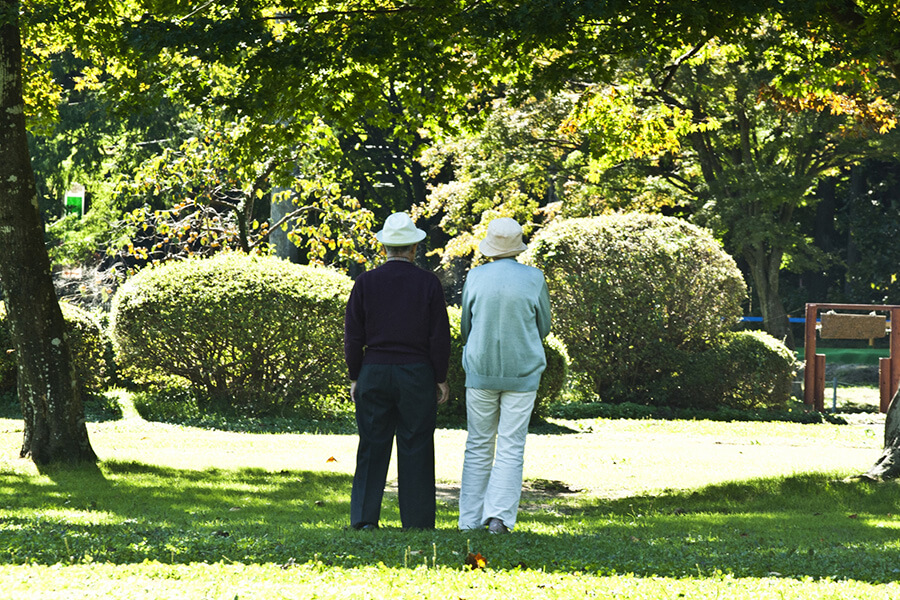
x=397, y=315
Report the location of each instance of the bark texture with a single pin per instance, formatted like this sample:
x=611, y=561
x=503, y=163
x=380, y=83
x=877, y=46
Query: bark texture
x=888, y=464
x=55, y=431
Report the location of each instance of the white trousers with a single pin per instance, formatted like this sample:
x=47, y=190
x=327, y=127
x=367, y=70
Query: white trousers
x=492, y=480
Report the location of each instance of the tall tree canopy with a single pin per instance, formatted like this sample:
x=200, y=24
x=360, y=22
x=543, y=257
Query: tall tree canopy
x=337, y=100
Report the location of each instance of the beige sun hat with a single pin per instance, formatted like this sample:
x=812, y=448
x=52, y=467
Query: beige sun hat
x=503, y=239
x=399, y=230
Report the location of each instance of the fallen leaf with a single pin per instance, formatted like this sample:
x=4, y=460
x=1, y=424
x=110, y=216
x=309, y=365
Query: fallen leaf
x=476, y=561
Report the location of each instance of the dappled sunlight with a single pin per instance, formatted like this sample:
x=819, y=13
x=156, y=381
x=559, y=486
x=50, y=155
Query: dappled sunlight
x=128, y=512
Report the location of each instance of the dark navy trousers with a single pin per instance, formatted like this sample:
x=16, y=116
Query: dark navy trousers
x=396, y=400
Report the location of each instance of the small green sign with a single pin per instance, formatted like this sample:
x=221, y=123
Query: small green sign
x=74, y=203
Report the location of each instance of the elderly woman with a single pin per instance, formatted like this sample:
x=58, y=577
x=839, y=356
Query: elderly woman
x=505, y=315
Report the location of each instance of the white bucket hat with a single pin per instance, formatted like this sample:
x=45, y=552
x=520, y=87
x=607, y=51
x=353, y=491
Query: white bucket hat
x=503, y=239
x=399, y=230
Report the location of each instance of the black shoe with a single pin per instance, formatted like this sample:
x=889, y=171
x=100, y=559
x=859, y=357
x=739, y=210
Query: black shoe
x=366, y=527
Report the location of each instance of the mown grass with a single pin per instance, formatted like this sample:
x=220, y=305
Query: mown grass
x=624, y=509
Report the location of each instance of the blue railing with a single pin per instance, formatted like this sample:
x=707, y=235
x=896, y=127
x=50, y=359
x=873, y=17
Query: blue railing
x=759, y=319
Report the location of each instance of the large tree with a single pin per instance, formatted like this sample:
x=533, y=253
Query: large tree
x=713, y=132
x=51, y=404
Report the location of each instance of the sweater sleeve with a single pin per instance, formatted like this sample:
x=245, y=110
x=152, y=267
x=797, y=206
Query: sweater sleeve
x=439, y=335
x=354, y=333
x=465, y=321
x=544, y=319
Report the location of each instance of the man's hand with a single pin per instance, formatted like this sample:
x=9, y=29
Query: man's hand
x=443, y=392
x=353, y=392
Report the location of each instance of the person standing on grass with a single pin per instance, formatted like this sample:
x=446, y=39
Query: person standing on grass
x=505, y=316
x=397, y=349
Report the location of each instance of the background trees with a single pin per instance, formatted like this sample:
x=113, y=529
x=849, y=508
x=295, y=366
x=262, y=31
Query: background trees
x=194, y=119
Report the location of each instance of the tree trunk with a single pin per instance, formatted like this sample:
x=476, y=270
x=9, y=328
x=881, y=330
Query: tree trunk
x=888, y=464
x=765, y=267
x=51, y=403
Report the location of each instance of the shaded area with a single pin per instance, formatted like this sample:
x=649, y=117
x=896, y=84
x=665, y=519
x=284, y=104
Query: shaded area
x=97, y=409
x=802, y=526
x=630, y=410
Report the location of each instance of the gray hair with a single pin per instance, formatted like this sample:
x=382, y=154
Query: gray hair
x=397, y=250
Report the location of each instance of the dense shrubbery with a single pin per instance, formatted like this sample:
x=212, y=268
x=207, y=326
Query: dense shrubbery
x=250, y=334
x=89, y=344
x=630, y=410
x=746, y=370
x=553, y=380
x=631, y=293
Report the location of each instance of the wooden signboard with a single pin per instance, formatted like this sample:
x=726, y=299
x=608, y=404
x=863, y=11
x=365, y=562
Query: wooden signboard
x=852, y=327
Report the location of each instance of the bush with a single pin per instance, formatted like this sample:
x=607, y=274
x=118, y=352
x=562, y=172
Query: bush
x=254, y=335
x=167, y=401
x=745, y=370
x=89, y=344
x=553, y=380
x=629, y=291
x=628, y=410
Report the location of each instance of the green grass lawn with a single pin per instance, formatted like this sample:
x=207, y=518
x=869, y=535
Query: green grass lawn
x=612, y=509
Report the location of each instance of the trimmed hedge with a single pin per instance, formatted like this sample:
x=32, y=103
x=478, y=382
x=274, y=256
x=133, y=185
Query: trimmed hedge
x=746, y=370
x=553, y=380
x=89, y=344
x=629, y=291
x=249, y=334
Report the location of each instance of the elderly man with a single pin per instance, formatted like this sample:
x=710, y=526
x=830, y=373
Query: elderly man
x=397, y=348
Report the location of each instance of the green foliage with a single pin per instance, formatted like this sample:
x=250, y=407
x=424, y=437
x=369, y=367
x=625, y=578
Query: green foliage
x=89, y=344
x=514, y=166
x=629, y=289
x=252, y=334
x=745, y=370
x=630, y=410
x=208, y=195
x=553, y=380
x=167, y=401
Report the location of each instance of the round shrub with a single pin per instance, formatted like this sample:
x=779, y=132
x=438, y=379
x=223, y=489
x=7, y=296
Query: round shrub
x=167, y=401
x=254, y=334
x=89, y=344
x=553, y=380
x=743, y=370
x=629, y=290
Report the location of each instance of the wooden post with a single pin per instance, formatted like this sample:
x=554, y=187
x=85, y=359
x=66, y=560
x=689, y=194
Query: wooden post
x=819, y=405
x=884, y=383
x=809, y=351
x=895, y=356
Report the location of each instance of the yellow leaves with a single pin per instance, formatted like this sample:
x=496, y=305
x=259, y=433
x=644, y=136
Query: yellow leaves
x=875, y=114
x=89, y=79
x=617, y=128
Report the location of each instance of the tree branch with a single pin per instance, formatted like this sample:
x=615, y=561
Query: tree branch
x=673, y=68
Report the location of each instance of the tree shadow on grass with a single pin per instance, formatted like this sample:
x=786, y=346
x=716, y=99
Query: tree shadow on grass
x=801, y=526
x=128, y=512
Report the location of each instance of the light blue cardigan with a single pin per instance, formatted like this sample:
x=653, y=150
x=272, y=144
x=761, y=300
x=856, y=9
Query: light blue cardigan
x=505, y=315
